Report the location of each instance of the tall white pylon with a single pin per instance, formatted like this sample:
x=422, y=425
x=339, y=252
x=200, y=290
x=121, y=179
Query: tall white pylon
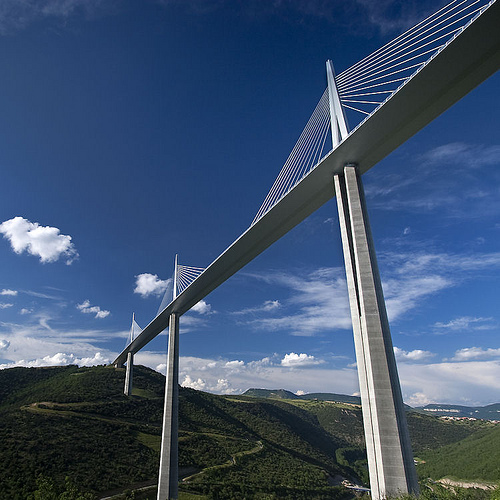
x=130, y=363
x=169, y=454
x=338, y=120
x=390, y=457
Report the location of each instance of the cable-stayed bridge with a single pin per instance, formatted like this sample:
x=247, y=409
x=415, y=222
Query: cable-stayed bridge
x=391, y=94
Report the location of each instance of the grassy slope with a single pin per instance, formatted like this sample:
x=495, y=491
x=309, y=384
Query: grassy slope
x=76, y=421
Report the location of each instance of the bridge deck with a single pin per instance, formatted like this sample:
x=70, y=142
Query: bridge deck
x=466, y=62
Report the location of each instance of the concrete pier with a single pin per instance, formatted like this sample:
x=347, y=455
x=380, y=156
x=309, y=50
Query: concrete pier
x=169, y=472
x=128, y=375
x=390, y=457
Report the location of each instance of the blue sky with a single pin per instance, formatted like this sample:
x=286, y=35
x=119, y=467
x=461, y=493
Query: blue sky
x=132, y=131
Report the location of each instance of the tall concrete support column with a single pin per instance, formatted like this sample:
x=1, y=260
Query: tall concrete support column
x=128, y=374
x=390, y=457
x=169, y=457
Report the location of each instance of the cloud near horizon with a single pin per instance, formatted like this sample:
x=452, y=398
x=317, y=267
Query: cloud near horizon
x=60, y=359
x=45, y=242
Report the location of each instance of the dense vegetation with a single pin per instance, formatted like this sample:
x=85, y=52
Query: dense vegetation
x=71, y=432
x=476, y=457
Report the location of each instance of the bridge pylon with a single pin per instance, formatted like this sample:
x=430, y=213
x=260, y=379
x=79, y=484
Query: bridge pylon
x=128, y=375
x=168, y=477
x=390, y=456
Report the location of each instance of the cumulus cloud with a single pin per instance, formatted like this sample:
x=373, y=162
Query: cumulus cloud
x=475, y=382
x=470, y=353
x=415, y=355
x=293, y=360
x=198, y=384
x=235, y=365
x=60, y=359
x=41, y=241
x=86, y=308
x=7, y=291
x=225, y=376
x=24, y=311
x=5, y=305
x=202, y=307
x=147, y=284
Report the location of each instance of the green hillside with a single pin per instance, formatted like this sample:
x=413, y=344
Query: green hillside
x=475, y=458
x=70, y=422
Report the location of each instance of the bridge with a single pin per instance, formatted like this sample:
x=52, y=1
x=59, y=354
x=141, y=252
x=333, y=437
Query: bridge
x=397, y=90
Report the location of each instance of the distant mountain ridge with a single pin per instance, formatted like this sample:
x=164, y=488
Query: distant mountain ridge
x=488, y=412
x=284, y=394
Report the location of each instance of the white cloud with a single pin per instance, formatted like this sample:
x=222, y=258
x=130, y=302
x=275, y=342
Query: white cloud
x=198, y=384
x=235, y=376
x=86, y=308
x=5, y=305
x=446, y=180
x=415, y=355
x=469, y=383
x=162, y=368
x=381, y=14
x=24, y=311
x=419, y=399
x=234, y=366
x=4, y=344
x=463, y=154
x=190, y=323
x=7, y=291
x=418, y=263
x=404, y=293
x=293, y=360
x=60, y=359
x=268, y=305
x=41, y=241
x=202, y=307
x=465, y=323
x=317, y=302
x=149, y=284
x=470, y=353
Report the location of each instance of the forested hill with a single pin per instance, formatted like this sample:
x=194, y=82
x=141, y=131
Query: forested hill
x=284, y=394
x=70, y=429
